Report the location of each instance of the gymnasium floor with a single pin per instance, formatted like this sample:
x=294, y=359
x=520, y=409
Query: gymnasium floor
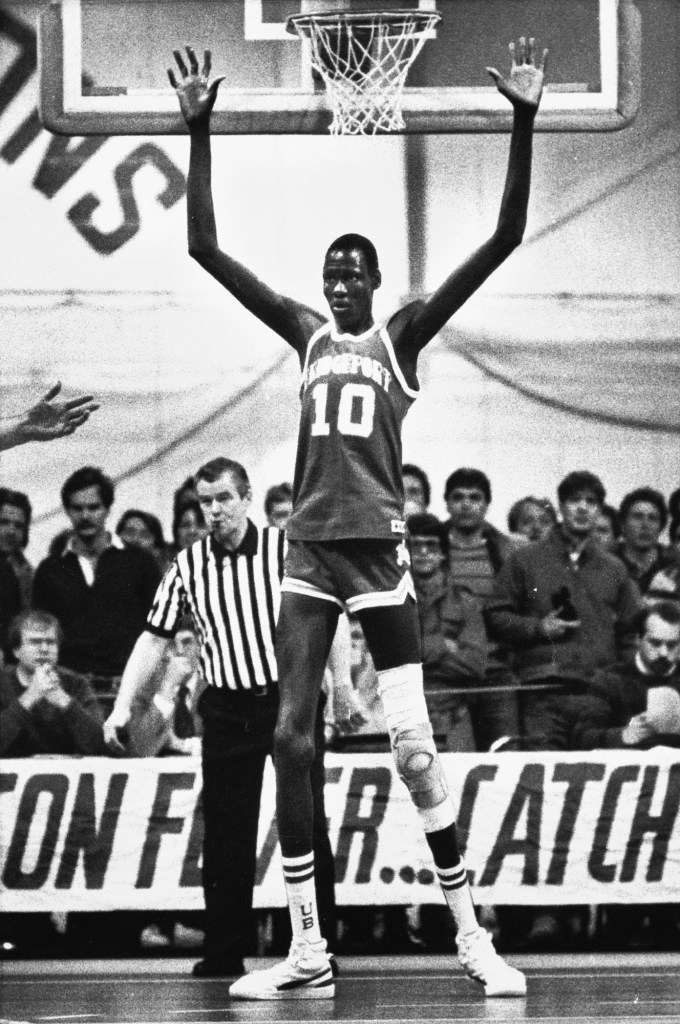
x=577, y=989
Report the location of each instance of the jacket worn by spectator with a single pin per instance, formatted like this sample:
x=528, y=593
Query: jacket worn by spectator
x=102, y=620
x=604, y=596
x=46, y=729
x=454, y=641
x=613, y=698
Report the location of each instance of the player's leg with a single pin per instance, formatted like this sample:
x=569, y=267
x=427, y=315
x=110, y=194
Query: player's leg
x=305, y=632
x=393, y=637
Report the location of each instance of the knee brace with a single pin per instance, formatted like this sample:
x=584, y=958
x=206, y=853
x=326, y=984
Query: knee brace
x=413, y=746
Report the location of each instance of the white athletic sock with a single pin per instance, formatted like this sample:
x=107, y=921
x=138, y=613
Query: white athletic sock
x=457, y=893
x=298, y=873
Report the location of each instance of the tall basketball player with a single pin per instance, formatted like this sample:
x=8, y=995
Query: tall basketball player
x=346, y=533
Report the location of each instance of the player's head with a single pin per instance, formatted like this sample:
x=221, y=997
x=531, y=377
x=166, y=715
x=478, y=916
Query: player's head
x=350, y=276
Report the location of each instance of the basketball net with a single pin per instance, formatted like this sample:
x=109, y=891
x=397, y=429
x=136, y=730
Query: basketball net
x=363, y=60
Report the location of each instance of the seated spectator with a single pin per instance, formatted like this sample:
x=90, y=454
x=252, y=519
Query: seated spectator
x=165, y=717
x=45, y=709
x=615, y=712
x=188, y=525
x=643, y=516
x=619, y=712
x=143, y=530
x=278, y=505
x=477, y=550
x=15, y=521
x=100, y=590
x=454, y=641
x=532, y=518
x=607, y=528
x=566, y=608
x=417, y=491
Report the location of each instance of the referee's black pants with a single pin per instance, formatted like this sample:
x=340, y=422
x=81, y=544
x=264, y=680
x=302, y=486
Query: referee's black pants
x=238, y=734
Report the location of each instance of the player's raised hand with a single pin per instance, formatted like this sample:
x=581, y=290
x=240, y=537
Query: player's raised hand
x=195, y=93
x=49, y=419
x=524, y=85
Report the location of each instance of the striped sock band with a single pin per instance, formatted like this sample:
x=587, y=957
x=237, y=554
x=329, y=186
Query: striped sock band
x=452, y=878
x=298, y=874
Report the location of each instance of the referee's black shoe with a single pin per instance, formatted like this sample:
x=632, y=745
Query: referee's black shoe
x=218, y=967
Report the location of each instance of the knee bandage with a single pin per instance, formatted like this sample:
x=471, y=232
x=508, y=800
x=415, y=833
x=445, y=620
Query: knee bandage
x=413, y=746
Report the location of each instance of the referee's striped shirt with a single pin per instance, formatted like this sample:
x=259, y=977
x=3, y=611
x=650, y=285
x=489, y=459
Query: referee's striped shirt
x=234, y=599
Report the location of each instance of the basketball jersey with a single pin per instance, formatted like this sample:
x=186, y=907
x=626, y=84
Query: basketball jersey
x=354, y=397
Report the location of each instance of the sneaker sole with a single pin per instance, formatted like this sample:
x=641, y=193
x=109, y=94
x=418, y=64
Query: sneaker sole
x=502, y=993
x=323, y=992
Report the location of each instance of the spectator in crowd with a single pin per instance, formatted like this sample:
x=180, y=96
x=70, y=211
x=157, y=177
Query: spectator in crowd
x=138, y=529
x=606, y=528
x=238, y=707
x=531, y=518
x=566, y=608
x=477, y=550
x=99, y=590
x=417, y=491
x=278, y=505
x=47, y=420
x=615, y=712
x=643, y=516
x=15, y=521
x=619, y=712
x=188, y=525
x=454, y=641
x=46, y=709
x=165, y=718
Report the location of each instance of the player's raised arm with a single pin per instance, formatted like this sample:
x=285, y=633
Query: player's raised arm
x=523, y=88
x=196, y=93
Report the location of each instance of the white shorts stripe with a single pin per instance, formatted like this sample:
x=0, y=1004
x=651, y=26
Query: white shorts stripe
x=381, y=598
x=293, y=586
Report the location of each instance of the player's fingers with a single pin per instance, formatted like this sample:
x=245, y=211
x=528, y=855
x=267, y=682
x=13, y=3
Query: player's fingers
x=522, y=49
x=544, y=61
x=52, y=393
x=180, y=62
x=207, y=63
x=530, y=51
x=76, y=403
x=193, y=63
x=216, y=84
x=171, y=76
x=496, y=75
x=511, y=47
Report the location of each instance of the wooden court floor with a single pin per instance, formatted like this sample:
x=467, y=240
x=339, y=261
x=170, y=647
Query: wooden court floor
x=579, y=989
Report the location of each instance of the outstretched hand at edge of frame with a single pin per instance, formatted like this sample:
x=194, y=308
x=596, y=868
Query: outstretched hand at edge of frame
x=196, y=95
x=47, y=419
x=524, y=85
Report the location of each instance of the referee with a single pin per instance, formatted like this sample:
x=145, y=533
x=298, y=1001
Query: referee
x=230, y=583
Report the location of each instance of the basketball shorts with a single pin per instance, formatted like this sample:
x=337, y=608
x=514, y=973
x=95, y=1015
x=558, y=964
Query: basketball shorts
x=355, y=574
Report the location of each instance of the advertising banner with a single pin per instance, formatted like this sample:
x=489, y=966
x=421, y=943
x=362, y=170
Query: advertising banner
x=98, y=834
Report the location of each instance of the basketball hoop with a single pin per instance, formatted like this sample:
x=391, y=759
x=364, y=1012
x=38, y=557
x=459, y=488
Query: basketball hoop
x=363, y=60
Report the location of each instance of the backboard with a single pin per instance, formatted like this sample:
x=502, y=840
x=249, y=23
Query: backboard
x=103, y=65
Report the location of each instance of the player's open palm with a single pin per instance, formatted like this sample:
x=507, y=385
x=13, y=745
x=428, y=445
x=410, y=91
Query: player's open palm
x=524, y=85
x=195, y=93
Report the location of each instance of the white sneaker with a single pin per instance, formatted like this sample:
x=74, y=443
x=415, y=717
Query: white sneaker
x=482, y=964
x=305, y=974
